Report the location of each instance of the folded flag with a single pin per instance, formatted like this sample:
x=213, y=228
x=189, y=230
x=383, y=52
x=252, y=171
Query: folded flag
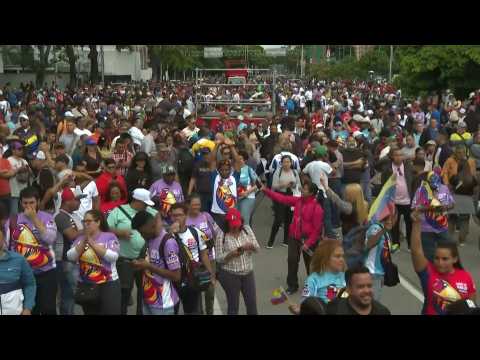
x=279, y=296
x=384, y=204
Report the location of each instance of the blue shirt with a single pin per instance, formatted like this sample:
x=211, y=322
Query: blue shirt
x=324, y=285
x=14, y=268
x=373, y=260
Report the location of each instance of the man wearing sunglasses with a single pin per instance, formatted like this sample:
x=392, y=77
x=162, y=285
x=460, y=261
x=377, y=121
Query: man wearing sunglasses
x=108, y=175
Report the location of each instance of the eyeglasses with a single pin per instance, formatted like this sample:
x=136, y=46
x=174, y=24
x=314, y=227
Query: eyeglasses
x=88, y=221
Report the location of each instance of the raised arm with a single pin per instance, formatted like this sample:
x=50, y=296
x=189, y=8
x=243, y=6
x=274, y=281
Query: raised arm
x=344, y=206
x=280, y=198
x=419, y=260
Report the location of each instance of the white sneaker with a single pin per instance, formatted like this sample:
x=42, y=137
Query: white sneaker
x=269, y=247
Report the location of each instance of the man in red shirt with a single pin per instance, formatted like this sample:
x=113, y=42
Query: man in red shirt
x=109, y=174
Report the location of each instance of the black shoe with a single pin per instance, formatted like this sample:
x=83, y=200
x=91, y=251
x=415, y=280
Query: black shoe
x=291, y=291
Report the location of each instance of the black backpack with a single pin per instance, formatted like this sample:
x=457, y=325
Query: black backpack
x=193, y=274
x=185, y=161
x=354, y=245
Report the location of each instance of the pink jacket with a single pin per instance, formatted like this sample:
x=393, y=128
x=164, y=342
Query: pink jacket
x=307, y=216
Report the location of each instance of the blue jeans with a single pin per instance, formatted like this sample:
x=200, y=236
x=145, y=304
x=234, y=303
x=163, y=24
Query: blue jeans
x=377, y=286
x=328, y=208
x=336, y=186
x=147, y=310
x=67, y=283
x=14, y=205
x=246, y=206
x=365, y=183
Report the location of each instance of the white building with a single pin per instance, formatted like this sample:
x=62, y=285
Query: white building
x=124, y=65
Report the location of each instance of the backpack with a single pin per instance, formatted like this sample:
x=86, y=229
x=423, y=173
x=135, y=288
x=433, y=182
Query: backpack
x=194, y=274
x=185, y=161
x=354, y=245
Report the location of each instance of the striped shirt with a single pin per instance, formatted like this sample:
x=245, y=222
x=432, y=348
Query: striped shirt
x=240, y=265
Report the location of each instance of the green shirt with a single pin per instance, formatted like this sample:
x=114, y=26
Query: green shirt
x=129, y=248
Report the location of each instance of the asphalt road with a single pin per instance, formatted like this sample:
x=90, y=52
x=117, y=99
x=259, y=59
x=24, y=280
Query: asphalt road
x=271, y=271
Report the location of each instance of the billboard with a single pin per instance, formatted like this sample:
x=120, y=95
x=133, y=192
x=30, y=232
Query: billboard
x=213, y=52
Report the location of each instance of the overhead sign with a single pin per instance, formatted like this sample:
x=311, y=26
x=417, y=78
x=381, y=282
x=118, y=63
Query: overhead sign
x=276, y=52
x=213, y=52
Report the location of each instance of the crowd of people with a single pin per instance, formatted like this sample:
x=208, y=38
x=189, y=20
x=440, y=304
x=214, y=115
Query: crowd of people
x=104, y=190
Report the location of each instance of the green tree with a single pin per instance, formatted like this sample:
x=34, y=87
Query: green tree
x=433, y=68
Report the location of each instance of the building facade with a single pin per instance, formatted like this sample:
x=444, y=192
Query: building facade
x=116, y=65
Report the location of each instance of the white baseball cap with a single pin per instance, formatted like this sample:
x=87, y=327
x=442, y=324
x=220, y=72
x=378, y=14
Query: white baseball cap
x=186, y=113
x=69, y=114
x=357, y=134
x=143, y=195
x=23, y=116
x=40, y=155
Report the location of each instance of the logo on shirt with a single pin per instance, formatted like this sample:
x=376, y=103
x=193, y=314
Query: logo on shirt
x=444, y=294
x=224, y=196
x=462, y=287
x=91, y=268
x=151, y=288
x=332, y=292
x=26, y=243
x=172, y=258
x=191, y=243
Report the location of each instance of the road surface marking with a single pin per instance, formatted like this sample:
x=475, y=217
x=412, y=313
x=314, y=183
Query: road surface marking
x=411, y=289
x=216, y=307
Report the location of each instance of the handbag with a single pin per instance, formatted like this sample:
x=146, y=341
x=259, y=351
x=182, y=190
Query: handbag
x=87, y=293
x=390, y=278
x=126, y=272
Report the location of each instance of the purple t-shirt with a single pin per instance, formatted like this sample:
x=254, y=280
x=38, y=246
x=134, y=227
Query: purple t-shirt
x=27, y=240
x=160, y=185
x=158, y=292
x=93, y=268
x=432, y=221
x=206, y=224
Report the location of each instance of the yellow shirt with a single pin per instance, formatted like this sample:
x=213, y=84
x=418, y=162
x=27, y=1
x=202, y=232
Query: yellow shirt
x=464, y=137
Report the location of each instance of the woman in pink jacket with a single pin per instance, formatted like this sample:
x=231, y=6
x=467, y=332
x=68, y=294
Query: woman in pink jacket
x=305, y=229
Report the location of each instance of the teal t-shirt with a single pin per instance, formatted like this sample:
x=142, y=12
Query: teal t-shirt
x=129, y=248
x=324, y=286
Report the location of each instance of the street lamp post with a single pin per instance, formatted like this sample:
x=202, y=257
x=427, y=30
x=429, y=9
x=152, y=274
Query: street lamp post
x=103, y=64
x=391, y=62
x=302, y=65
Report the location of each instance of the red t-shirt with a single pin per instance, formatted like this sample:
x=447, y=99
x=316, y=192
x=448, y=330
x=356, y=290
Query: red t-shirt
x=108, y=206
x=4, y=183
x=316, y=119
x=441, y=290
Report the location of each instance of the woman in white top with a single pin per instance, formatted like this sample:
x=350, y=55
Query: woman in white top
x=22, y=174
x=286, y=181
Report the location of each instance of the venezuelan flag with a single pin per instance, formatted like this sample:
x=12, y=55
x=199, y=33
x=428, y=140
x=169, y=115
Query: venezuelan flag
x=384, y=204
x=279, y=296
